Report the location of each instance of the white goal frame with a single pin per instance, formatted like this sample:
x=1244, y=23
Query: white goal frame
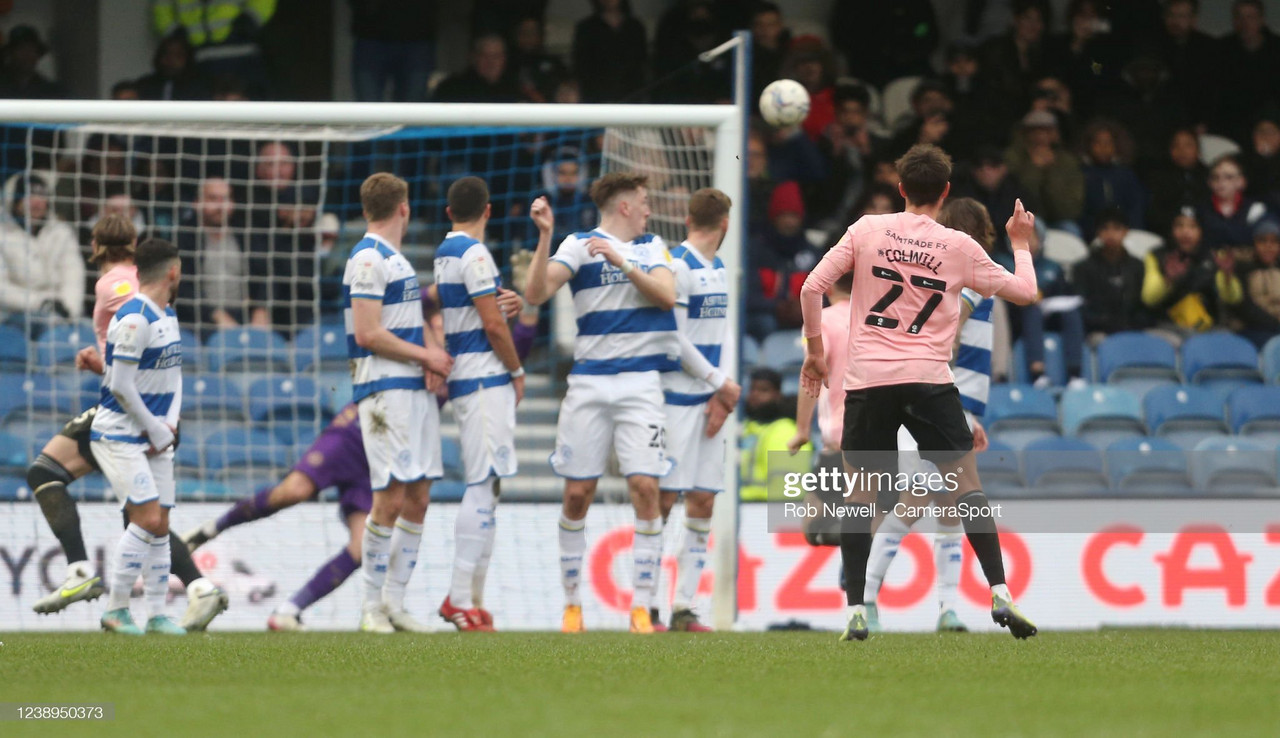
x=728, y=122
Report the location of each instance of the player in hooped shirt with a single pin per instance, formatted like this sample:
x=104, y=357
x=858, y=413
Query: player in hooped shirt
x=623, y=295
x=67, y=456
x=908, y=272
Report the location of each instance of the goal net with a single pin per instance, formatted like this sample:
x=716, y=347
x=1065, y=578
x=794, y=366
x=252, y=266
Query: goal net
x=264, y=215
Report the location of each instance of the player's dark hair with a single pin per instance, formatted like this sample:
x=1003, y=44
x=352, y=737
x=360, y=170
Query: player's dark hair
x=153, y=258
x=114, y=238
x=467, y=199
x=1112, y=216
x=708, y=207
x=381, y=194
x=765, y=374
x=608, y=187
x=845, y=283
x=970, y=217
x=924, y=172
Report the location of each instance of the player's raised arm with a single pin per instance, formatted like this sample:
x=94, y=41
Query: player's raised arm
x=545, y=280
x=1021, y=289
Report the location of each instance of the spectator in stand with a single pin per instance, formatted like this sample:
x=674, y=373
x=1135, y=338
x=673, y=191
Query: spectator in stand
x=274, y=170
x=285, y=255
x=174, y=75
x=976, y=118
x=565, y=176
x=770, y=425
x=1018, y=58
x=41, y=267
x=1229, y=216
x=610, y=52
x=537, y=71
x=1110, y=281
x=1250, y=62
x=1261, y=161
x=989, y=182
x=1108, y=180
x=770, y=39
x=486, y=80
x=759, y=185
x=19, y=78
x=688, y=28
x=1181, y=283
x=1192, y=58
x=878, y=199
x=1052, y=95
x=845, y=145
x=230, y=89
x=214, y=291
x=1148, y=107
x=927, y=123
x=1179, y=183
x=224, y=33
x=810, y=63
x=794, y=156
x=1051, y=174
x=119, y=202
x=83, y=182
x=395, y=46
x=1057, y=308
x=125, y=89
x=1258, y=307
x=1086, y=56
x=882, y=41
x=781, y=258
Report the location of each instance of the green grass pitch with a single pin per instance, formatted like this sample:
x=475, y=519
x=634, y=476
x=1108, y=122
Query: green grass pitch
x=1116, y=682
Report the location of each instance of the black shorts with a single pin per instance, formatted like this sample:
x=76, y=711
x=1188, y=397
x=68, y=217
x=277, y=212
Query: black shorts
x=931, y=412
x=77, y=429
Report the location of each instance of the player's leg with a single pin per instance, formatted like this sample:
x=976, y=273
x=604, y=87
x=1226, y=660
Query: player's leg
x=948, y=559
x=891, y=529
x=406, y=540
x=584, y=433
x=381, y=447
x=65, y=458
x=473, y=537
x=482, y=564
x=330, y=576
x=938, y=422
x=703, y=479
x=296, y=487
x=160, y=562
x=639, y=438
x=691, y=559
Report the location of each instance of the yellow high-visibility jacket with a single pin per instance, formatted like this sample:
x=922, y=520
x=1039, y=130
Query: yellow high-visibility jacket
x=207, y=22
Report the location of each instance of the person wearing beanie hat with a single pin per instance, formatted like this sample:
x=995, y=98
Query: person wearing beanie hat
x=19, y=79
x=781, y=258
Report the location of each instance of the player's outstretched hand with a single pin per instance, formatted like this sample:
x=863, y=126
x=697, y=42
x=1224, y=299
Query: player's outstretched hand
x=89, y=359
x=980, y=441
x=510, y=303
x=813, y=375
x=541, y=215
x=798, y=441
x=1021, y=226
x=599, y=246
x=716, y=414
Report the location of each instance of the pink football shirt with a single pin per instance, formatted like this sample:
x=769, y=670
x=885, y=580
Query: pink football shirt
x=835, y=343
x=112, y=290
x=908, y=271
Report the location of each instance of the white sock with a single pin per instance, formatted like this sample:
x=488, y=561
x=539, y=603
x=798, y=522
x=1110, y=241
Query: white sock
x=470, y=533
x=884, y=546
x=647, y=551
x=851, y=610
x=156, y=582
x=690, y=562
x=482, y=563
x=406, y=538
x=288, y=609
x=375, y=554
x=1002, y=592
x=573, y=546
x=129, y=562
x=79, y=569
x=947, y=559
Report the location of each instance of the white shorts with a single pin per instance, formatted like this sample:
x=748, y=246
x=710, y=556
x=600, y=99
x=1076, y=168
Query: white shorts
x=698, y=460
x=135, y=477
x=909, y=459
x=618, y=412
x=487, y=424
x=401, y=430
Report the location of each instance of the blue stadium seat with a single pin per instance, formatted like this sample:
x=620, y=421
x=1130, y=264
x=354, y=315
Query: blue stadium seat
x=194, y=489
x=1020, y=414
x=191, y=349
x=14, y=489
x=451, y=455
x=1233, y=466
x=1184, y=414
x=1055, y=366
x=1101, y=414
x=93, y=488
x=210, y=396
x=335, y=388
x=448, y=490
x=1219, y=357
x=1063, y=467
x=35, y=398
x=998, y=466
x=14, y=453
x=783, y=350
x=1255, y=411
x=246, y=349
x=284, y=397
x=325, y=345
x=238, y=447
x=1137, y=361
x=90, y=390
x=13, y=349
x=1271, y=361
x=1149, y=465
x=750, y=349
x=58, y=346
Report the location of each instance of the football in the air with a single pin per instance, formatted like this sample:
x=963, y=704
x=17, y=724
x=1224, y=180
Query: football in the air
x=784, y=103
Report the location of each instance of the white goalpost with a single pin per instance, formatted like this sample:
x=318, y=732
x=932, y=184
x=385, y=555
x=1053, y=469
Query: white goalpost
x=681, y=147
